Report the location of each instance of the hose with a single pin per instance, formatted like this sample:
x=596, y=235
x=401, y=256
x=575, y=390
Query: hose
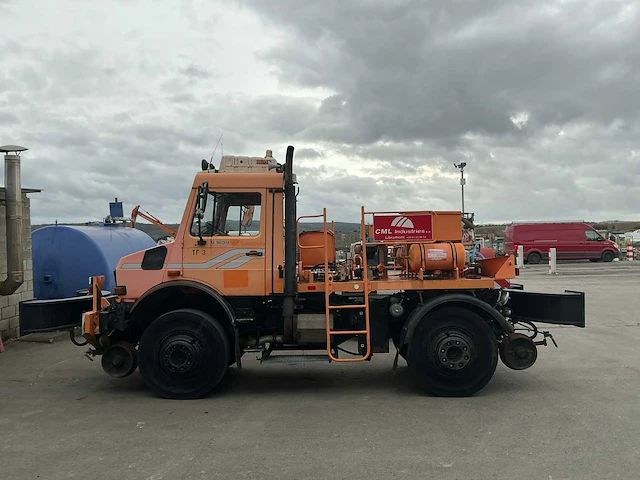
x=528, y=327
x=74, y=341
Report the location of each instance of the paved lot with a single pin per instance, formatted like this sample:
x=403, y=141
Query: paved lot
x=574, y=415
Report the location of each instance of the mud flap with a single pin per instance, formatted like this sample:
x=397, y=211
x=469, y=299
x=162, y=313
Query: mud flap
x=566, y=308
x=56, y=314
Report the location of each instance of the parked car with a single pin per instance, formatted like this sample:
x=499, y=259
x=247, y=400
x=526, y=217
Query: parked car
x=572, y=241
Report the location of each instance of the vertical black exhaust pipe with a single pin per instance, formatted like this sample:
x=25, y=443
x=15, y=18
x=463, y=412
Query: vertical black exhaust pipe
x=290, y=245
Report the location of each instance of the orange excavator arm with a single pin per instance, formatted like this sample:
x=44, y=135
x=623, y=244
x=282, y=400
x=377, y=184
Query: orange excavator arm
x=147, y=216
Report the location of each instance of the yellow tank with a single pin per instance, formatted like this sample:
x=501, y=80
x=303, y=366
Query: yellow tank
x=436, y=256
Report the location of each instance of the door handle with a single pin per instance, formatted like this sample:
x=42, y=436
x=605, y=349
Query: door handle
x=253, y=253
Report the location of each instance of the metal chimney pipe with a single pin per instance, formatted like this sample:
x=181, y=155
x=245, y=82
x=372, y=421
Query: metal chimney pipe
x=290, y=244
x=13, y=215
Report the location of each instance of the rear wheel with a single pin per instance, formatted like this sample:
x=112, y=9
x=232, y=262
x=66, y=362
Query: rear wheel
x=183, y=354
x=534, y=258
x=453, y=353
x=607, y=256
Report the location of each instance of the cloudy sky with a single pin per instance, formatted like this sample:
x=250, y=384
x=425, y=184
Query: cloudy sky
x=123, y=98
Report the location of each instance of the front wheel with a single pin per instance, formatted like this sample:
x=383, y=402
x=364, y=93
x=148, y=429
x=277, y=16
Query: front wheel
x=453, y=353
x=183, y=354
x=607, y=256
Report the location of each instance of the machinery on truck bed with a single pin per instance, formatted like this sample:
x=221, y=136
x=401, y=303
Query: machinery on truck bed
x=241, y=278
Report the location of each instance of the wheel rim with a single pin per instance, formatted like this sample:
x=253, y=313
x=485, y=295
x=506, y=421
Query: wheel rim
x=180, y=354
x=452, y=349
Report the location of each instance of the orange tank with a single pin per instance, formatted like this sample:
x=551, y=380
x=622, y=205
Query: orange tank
x=436, y=256
x=315, y=238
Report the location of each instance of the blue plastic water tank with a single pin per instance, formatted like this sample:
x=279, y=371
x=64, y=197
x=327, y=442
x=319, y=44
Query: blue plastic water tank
x=64, y=256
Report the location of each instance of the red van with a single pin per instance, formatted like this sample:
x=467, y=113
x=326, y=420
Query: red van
x=572, y=240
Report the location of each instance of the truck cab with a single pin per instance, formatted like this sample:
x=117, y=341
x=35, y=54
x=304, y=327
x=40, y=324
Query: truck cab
x=222, y=239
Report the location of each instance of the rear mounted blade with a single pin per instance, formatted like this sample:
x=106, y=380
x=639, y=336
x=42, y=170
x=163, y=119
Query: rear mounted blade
x=566, y=308
x=54, y=314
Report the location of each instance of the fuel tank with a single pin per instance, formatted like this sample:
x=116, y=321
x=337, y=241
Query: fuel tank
x=436, y=256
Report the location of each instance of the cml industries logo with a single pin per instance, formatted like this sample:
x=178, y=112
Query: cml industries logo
x=406, y=226
x=402, y=221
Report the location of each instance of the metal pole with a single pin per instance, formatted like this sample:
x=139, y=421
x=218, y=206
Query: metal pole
x=462, y=180
x=520, y=257
x=462, y=186
x=552, y=261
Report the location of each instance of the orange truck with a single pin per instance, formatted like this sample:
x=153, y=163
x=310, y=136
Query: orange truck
x=241, y=277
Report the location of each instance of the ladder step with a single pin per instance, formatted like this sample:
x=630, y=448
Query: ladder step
x=295, y=358
x=335, y=307
x=347, y=332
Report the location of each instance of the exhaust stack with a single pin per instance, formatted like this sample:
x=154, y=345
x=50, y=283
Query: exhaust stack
x=288, y=306
x=13, y=215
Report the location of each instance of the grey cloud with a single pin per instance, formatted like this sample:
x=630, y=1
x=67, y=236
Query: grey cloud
x=195, y=72
x=308, y=153
x=409, y=88
x=418, y=70
x=540, y=98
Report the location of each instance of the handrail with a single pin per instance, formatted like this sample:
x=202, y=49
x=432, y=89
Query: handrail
x=324, y=228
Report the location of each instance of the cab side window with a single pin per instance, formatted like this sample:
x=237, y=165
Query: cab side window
x=230, y=214
x=591, y=235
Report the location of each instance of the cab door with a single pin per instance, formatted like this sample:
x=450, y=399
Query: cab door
x=226, y=244
x=594, y=243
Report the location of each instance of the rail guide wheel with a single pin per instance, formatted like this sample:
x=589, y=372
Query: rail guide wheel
x=120, y=359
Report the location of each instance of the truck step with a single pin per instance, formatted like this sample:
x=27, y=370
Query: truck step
x=295, y=358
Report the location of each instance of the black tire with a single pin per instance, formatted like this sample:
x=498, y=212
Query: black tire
x=183, y=354
x=464, y=331
x=534, y=258
x=607, y=256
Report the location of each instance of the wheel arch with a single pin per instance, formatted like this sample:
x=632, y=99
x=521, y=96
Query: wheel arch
x=178, y=294
x=486, y=311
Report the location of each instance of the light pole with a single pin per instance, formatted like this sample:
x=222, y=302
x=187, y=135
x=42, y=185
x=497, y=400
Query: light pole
x=462, y=180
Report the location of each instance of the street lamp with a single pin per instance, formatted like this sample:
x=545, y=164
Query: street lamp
x=462, y=180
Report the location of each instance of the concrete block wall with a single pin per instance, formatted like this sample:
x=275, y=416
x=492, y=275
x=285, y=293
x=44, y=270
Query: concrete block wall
x=9, y=313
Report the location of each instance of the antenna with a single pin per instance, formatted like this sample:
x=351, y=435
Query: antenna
x=214, y=150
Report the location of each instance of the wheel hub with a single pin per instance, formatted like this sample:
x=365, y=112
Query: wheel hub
x=453, y=350
x=518, y=351
x=180, y=354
